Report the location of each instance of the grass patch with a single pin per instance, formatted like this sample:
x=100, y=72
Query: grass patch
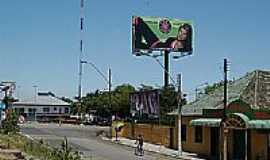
x=31, y=147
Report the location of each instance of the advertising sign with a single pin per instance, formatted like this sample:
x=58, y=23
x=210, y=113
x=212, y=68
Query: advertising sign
x=160, y=34
x=146, y=102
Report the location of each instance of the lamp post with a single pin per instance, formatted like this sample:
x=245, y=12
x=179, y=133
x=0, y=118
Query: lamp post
x=179, y=88
x=107, y=80
x=80, y=87
x=35, y=92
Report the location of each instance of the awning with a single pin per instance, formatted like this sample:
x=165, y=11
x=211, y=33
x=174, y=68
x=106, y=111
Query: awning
x=210, y=122
x=259, y=124
x=215, y=122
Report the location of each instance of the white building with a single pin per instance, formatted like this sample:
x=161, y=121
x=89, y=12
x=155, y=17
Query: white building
x=44, y=106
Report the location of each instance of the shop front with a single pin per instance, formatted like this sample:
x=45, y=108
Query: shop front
x=237, y=137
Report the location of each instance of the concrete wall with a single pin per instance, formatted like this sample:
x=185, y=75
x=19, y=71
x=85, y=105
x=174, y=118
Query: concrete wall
x=190, y=145
x=156, y=134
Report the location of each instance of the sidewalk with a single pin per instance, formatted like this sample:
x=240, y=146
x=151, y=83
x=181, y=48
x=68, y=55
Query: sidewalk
x=156, y=148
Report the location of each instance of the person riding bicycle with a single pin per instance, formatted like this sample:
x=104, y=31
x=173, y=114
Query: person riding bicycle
x=139, y=142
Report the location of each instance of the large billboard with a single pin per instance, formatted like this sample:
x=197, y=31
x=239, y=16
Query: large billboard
x=145, y=102
x=160, y=34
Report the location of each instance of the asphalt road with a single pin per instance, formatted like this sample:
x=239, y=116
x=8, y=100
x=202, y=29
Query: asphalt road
x=84, y=139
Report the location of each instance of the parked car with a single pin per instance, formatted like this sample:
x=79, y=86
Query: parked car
x=103, y=121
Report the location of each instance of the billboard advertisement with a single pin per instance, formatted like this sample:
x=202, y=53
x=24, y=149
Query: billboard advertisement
x=160, y=34
x=145, y=102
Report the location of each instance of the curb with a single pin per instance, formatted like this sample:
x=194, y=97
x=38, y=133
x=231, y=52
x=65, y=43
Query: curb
x=152, y=150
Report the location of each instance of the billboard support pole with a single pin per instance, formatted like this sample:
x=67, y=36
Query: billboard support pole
x=166, y=71
x=179, y=105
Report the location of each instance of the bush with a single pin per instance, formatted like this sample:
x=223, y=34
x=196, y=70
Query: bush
x=65, y=153
x=10, y=124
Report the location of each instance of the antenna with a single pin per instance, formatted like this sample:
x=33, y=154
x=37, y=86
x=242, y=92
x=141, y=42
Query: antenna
x=81, y=51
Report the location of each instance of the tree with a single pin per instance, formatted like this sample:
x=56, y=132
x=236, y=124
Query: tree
x=168, y=100
x=10, y=124
x=120, y=98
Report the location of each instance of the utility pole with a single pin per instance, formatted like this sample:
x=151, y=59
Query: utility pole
x=225, y=131
x=166, y=70
x=35, y=93
x=110, y=94
x=179, y=80
x=35, y=88
x=225, y=85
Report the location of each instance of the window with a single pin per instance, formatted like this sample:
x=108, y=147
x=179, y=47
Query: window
x=66, y=110
x=30, y=110
x=54, y=108
x=46, y=110
x=184, y=132
x=21, y=110
x=198, y=134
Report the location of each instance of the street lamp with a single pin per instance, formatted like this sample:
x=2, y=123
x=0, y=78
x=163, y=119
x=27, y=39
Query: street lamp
x=155, y=57
x=107, y=80
x=179, y=97
x=35, y=92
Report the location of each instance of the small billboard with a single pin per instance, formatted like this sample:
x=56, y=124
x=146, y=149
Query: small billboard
x=160, y=34
x=145, y=102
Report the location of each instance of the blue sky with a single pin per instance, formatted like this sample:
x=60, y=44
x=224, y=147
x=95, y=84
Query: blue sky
x=39, y=42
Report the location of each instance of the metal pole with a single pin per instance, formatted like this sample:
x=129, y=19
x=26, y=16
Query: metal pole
x=225, y=137
x=179, y=79
x=34, y=110
x=80, y=87
x=166, y=71
x=110, y=95
x=35, y=92
x=80, y=56
x=110, y=100
x=225, y=85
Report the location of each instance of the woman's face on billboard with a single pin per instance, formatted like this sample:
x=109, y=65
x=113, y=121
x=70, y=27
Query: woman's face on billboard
x=182, y=34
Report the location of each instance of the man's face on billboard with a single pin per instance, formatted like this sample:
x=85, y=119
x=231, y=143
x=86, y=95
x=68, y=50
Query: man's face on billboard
x=182, y=34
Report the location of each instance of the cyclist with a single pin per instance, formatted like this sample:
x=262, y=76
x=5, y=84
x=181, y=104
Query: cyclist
x=139, y=142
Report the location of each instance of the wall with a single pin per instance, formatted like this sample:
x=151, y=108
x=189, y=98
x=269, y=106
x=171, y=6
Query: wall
x=156, y=134
x=39, y=109
x=258, y=145
x=190, y=145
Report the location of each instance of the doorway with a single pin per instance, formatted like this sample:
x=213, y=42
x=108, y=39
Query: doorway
x=238, y=144
x=214, y=143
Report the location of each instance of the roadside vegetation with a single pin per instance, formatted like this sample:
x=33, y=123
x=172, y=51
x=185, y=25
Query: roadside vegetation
x=38, y=149
x=98, y=101
x=11, y=139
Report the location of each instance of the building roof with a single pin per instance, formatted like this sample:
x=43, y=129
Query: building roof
x=42, y=100
x=253, y=88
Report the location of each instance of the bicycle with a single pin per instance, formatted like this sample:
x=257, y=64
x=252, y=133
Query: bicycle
x=139, y=151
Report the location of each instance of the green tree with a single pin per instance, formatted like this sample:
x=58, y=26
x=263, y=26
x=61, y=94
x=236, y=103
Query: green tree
x=120, y=100
x=10, y=124
x=168, y=100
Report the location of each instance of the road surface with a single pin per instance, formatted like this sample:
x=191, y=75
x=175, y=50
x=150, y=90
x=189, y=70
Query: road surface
x=84, y=139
